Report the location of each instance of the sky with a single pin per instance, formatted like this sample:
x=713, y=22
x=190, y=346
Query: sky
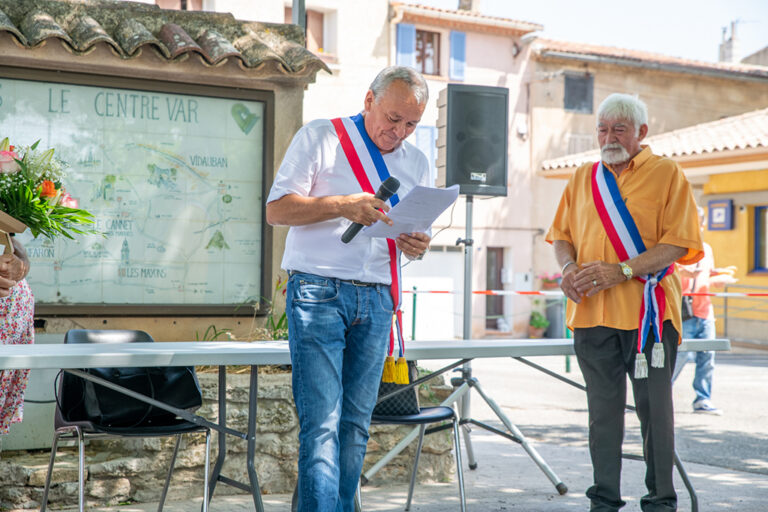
x=689, y=29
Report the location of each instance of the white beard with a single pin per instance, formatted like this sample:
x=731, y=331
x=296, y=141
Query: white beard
x=614, y=154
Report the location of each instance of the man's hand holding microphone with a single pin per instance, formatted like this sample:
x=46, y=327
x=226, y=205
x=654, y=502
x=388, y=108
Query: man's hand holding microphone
x=364, y=210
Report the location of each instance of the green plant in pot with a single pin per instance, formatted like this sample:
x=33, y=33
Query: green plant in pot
x=537, y=325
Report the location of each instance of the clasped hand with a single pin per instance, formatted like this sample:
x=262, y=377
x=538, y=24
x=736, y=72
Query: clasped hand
x=590, y=278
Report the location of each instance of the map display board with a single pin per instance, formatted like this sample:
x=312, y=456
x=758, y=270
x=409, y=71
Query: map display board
x=175, y=184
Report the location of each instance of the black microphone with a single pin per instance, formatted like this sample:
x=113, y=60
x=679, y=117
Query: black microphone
x=386, y=190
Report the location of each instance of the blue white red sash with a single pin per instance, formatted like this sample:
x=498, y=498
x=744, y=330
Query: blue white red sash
x=627, y=242
x=370, y=170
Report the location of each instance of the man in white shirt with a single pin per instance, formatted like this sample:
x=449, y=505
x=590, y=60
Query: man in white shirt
x=338, y=302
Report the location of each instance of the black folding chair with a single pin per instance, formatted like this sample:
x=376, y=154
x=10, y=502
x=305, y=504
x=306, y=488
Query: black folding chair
x=70, y=405
x=426, y=416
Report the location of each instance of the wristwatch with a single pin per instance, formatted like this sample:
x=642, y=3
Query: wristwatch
x=626, y=270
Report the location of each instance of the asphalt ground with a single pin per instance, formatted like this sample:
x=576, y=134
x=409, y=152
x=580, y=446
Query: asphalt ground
x=726, y=457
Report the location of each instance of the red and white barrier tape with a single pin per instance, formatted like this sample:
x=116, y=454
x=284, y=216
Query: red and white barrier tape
x=559, y=293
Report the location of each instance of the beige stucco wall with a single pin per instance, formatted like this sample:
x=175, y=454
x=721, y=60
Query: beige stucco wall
x=759, y=58
x=270, y=11
x=362, y=40
x=364, y=47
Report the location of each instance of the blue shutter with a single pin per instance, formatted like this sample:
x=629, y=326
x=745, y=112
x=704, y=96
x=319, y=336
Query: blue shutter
x=406, y=45
x=458, y=55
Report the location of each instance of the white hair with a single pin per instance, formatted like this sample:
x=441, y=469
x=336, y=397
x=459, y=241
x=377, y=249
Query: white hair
x=623, y=106
x=410, y=76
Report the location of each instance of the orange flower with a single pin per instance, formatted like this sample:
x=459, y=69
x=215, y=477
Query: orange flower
x=48, y=189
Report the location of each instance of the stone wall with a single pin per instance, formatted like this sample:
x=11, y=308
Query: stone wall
x=133, y=470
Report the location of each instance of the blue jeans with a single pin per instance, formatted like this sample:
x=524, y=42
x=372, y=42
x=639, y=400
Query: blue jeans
x=338, y=336
x=698, y=328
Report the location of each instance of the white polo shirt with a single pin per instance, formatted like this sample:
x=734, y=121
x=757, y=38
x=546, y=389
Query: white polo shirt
x=315, y=166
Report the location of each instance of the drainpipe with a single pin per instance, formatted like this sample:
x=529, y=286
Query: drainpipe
x=299, y=15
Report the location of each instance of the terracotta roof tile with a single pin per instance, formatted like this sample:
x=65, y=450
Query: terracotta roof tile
x=38, y=26
x=470, y=14
x=468, y=17
x=86, y=32
x=548, y=47
x=217, y=47
x=6, y=25
x=132, y=35
x=177, y=41
x=129, y=27
x=745, y=131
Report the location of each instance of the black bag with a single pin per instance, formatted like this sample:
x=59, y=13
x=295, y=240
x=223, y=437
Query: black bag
x=174, y=385
x=403, y=403
x=686, y=310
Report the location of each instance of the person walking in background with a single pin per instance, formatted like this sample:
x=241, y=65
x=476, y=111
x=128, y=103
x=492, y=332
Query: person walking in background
x=620, y=226
x=341, y=297
x=700, y=278
x=17, y=307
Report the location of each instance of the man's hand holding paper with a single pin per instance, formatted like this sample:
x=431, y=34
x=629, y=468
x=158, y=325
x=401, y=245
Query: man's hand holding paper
x=414, y=214
x=413, y=245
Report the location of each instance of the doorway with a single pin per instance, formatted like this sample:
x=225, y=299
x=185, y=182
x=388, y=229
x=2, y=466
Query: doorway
x=494, y=304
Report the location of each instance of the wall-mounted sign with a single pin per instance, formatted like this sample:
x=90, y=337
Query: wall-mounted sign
x=174, y=181
x=720, y=216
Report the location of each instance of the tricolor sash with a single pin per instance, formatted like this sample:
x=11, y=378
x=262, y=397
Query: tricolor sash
x=369, y=167
x=627, y=242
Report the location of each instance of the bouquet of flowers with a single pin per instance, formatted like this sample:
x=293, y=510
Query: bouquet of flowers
x=31, y=191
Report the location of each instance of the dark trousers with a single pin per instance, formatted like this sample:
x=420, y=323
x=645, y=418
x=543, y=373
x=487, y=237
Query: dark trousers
x=605, y=356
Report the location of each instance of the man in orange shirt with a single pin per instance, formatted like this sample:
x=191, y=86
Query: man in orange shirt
x=620, y=226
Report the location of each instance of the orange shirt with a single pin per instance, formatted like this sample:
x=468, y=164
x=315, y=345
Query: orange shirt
x=661, y=202
x=702, y=304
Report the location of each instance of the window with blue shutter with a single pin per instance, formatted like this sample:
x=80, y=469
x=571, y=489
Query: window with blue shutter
x=406, y=44
x=458, y=55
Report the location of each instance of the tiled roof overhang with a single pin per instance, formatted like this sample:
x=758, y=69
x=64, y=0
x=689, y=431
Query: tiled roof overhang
x=591, y=53
x=735, y=143
x=461, y=20
x=137, y=39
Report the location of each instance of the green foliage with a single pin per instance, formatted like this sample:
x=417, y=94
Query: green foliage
x=538, y=320
x=213, y=334
x=23, y=194
x=277, y=328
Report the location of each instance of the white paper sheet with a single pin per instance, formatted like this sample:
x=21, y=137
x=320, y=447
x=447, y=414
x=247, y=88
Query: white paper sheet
x=415, y=212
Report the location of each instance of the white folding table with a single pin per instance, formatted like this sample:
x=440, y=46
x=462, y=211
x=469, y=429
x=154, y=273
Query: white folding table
x=72, y=357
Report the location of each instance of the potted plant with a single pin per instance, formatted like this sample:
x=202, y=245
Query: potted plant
x=550, y=281
x=537, y=325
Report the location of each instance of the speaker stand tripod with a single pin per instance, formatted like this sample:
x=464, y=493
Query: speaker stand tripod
x=464, y=384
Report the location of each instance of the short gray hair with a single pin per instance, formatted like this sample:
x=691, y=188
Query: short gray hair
x=410, y=76
x=624, y=106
